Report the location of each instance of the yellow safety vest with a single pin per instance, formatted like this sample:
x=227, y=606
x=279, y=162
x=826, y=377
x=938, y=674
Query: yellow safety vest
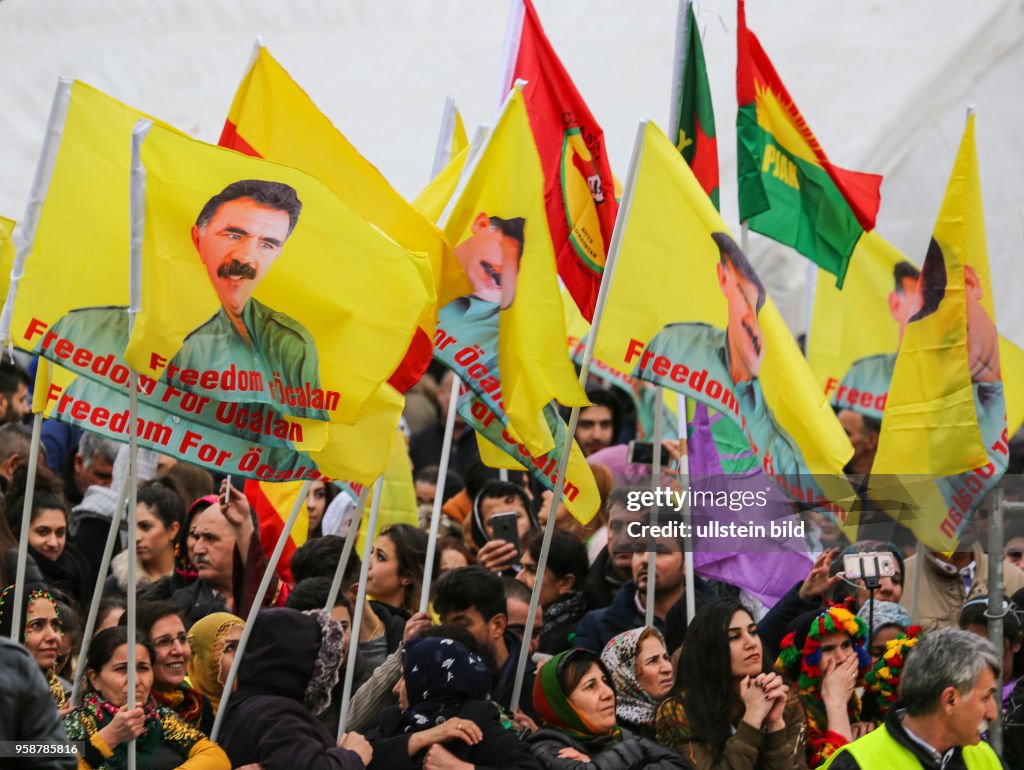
x=878, y=749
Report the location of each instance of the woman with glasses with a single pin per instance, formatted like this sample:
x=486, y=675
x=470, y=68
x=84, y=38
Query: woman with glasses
x=575, y=702
x=104, y=726
x=728, y=711
x=162, y=625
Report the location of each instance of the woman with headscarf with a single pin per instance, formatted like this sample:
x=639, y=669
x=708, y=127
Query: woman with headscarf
x=825, y=657
x=105, y=726
x=574, y=699
x=285, y=678
x=444, y=718
x=642, y=675
x=727, y=713
x=40, y=630
x=213, y=640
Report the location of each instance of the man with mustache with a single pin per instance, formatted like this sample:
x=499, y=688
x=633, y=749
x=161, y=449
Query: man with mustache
x=490, y=257
x=239, y=234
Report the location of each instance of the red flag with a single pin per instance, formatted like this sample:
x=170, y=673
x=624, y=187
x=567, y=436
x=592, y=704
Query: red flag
x=579, y=189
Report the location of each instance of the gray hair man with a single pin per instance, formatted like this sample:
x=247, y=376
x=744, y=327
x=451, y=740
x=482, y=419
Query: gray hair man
x=948, y=693
x=94, y=462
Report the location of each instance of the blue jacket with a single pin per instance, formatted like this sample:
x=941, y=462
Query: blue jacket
x=598, y=626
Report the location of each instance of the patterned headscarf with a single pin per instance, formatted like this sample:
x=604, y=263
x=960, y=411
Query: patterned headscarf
x=206, y=638
x=7, y=622
x=440, y=675
x=804, y=665
x=633, y=703
x=552, y=704
x=882, y=681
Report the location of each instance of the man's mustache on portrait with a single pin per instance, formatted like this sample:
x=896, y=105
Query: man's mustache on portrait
x=236, y=269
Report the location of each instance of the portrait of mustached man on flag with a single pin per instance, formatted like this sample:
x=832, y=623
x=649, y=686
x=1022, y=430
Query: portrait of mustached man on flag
x=238, y=235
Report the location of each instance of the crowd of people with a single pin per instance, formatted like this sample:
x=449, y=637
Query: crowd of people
x=830, y=674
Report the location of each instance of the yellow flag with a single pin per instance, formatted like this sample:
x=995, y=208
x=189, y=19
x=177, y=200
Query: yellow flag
x=433, y=199
x=499, y=448
x=459, y=140
x=506, y=340
x=6, y=254
x=294, y=301
x=855, y=331
x=687, y=311
x=930, y=424
x=398, y=497
x=946, y=403
x=272, y=117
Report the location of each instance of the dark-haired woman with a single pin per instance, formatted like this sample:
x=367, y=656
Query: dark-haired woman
x=319, y=497
x=61, y=565
x=728, y=713
x=162, y=624
x=394, y=581
x=444, y=718
x=40, y=630
x=158, y=519
x=105, y=724
x=561, y=593
x=574, y=699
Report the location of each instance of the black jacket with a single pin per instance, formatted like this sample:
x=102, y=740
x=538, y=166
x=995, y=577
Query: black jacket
x=845, y=761
x=267, y=721
x=505, y=681
x=499, y=747
x=598, y=626
x=631, y=753
x=602, y=583
x=33, y=576
x=69, y=573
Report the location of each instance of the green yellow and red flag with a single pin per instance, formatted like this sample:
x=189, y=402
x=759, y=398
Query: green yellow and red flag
x=696, y=135
x=789, y=190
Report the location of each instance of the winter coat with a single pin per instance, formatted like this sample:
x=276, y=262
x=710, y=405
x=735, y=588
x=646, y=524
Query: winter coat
x=941, y=595
x=267, y=721
x=598, y=626
x=630, y=753
x=69, y=573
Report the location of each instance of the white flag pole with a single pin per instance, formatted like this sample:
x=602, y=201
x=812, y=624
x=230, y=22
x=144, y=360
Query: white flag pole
x=357, y=608
x=97, y=596
x=442, y=478
x=570, y=432
x=257, y=605
x=137, y=208
x=509, y=53
x=652, y=546
x=24, y=234
x=442, y=152
x=346, y=551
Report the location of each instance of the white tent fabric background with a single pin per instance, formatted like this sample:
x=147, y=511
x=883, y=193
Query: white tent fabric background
x=884, y=86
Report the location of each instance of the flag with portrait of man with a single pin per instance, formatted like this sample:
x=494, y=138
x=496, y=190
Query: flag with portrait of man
x=506, y=340
x=687, y=311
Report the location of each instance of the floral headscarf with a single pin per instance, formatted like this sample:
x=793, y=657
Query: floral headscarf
x=440, y=675
x=7, y=622
x=882, y=681
x=552, y=704
x=633, y=703
x=206, y=638
x=803, y=664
